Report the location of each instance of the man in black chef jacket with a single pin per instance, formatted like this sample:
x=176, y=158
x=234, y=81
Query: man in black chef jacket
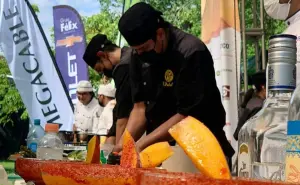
x=179, y=79
x=107, y=58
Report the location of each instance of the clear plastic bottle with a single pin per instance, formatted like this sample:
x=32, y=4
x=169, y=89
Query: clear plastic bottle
x=36, y=132
x=50, y=146
x=262, y=140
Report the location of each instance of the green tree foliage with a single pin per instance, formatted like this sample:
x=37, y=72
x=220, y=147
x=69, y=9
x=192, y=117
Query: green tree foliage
x=35, y=8
x=10, y=99
x=271, y=26
x=184, y=14
x=104, y=22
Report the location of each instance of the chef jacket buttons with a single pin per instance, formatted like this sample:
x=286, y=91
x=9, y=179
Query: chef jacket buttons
x=145, y=83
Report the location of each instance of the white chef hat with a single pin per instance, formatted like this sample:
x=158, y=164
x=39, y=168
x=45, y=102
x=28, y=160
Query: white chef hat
x=107, y=90
x=84, y=86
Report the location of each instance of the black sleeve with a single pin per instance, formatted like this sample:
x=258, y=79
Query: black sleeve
x=123, y=95
x=135, y=75
x=113, y=130
x=192, y=80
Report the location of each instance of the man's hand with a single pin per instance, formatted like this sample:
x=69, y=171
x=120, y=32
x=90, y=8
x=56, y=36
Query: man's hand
x=139, y=147
x=118, y=148
x=111, y=140
x=159, y=134
x=136, y=124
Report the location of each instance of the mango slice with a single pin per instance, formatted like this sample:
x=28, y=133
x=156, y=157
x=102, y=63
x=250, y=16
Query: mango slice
x=93, y=151
x=155, y=154
x=129, y=158
x=202, y=147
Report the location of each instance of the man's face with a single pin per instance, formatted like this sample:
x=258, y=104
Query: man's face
x=103, y=63
x=145, y=47
x=100, y=100
x=84, y=97
x=156, y=45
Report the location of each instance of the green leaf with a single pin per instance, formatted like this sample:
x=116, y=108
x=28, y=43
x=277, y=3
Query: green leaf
x=10, y=99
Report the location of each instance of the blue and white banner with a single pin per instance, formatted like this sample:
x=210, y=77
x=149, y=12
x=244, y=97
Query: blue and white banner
x=70, y=45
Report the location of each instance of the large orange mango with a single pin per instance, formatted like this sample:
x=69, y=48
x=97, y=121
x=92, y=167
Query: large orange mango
x=155, y=154
x=202, y=147
x=93, y=151
x=129, y=158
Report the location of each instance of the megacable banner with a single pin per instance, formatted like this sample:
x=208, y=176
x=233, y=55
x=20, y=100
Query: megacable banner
x=32, y=65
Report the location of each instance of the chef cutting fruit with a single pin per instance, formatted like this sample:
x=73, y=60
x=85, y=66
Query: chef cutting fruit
x=179, y=81
x=107, y=58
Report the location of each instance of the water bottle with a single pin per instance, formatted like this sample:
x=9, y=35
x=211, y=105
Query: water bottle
x=50, y=146
x=36, y=132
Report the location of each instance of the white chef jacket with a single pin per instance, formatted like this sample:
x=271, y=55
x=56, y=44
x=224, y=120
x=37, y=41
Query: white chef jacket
x=294, y=29
x=106, y=119
x=86, y=116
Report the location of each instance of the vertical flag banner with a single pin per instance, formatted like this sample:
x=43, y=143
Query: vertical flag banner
x=70, y=43
x=127, y=4
x=221, y=33
x=32, y=65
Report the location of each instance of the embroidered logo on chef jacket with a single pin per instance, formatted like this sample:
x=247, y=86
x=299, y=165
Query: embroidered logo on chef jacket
x=169, y=76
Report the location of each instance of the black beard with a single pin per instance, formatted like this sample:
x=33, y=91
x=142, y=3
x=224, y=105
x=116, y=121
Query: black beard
x=100, y=103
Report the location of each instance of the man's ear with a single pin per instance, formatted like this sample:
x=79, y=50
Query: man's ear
x=160, y=33
x=102, y=54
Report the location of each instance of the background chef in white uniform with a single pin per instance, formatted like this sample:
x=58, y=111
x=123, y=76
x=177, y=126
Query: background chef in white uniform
x=87, y=110
x=106, y=98
x=287, y=10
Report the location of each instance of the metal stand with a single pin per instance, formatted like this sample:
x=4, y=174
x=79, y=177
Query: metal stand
x=256, y=33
